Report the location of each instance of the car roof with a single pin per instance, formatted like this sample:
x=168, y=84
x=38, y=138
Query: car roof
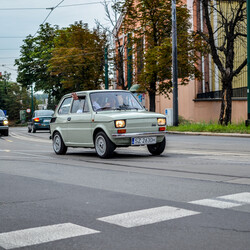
x=96, y=91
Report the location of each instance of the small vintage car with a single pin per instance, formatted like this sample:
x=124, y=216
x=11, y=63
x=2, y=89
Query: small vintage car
x=40, y=120
x=104, y=120
x=4, y=124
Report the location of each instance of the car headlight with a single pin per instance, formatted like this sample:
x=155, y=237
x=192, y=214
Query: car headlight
x=5, y=122
x=161, y=121
x=120, y=124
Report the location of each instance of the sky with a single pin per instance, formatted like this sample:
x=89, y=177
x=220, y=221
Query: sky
x=20, y=18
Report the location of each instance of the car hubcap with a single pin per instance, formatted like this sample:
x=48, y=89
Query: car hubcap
x=100, y=145
x=57, y=143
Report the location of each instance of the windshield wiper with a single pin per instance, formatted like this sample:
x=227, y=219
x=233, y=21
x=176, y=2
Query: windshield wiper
x=103, y=108
x=126, y=107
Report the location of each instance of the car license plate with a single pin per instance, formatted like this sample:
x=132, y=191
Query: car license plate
x=143, y=140
x=46, y=121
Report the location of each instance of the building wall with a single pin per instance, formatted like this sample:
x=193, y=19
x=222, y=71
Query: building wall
x=197, y=110
x=189, y=107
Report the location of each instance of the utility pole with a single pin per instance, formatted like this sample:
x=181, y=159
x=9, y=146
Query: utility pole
x=106, y=69
x=248, y=64
x=174, y=64
x=32, y=100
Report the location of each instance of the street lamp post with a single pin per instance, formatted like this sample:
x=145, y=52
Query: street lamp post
x=106, y=69
x=175, y=65
x=32, y=100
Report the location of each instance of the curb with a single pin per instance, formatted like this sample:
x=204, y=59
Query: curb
x=210, y=134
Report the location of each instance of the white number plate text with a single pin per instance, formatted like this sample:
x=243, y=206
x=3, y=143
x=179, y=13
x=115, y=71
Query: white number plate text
x=143, y=140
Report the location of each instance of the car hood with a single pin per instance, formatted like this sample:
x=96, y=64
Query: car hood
x=2, y=118
x=125, y=115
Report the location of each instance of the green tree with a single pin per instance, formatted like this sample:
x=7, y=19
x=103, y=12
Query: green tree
x=150, y=23
x=13, y=97
x=26, y=63
x=33, y=63
x=78, y=57
x=229, y=33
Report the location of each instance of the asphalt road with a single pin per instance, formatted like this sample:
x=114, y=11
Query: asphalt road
x=196, y=195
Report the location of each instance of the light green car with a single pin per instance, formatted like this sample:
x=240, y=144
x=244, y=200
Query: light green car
x=104, y=120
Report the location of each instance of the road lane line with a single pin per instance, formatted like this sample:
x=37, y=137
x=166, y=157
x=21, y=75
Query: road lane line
x=39, y=235
x=215, y=203
x=20, y=137
x=147, y=216
x=26, y=154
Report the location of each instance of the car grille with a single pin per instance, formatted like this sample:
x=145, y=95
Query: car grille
x=1, y=123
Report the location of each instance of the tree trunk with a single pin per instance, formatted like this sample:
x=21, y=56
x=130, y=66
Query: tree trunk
x=152, y=101
x=152, y=92
x=120, y=70
x=226, y=103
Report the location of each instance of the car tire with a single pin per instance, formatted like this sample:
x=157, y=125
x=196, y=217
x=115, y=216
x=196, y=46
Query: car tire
x=158, y=148
x=103, y=145
x=33, y=129
x=29, y=130
x=6, y=133
x=58, y=144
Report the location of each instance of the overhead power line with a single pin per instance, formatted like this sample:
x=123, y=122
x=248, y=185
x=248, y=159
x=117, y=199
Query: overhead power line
x=51, y=10
x=62, y=6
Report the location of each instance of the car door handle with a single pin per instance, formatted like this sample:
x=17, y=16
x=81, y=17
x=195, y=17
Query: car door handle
x=69, y=119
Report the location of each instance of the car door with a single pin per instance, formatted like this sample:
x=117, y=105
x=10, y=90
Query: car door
x=62, y=118
x=79, y=123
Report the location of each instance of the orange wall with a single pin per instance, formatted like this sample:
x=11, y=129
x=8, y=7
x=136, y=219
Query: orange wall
x=199, y=111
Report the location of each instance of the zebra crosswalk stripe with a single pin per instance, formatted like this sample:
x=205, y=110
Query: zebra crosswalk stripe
x=147, y=216
x=225, y=201
x=215, y=203
x=39, y=235
x=240, y=197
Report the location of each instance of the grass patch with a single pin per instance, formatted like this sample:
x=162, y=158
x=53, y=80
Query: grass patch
x=211, y=127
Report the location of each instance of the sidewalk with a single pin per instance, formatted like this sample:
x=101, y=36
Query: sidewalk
x=210, y=134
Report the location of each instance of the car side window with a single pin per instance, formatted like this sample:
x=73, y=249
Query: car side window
x=86, y=106
x=65, y=106
x=80, y=105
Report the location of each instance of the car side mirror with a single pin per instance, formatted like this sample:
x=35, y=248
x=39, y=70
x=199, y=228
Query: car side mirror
x=7, y=116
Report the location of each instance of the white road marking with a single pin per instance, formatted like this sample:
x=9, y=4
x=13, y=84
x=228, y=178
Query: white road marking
x=21, y=137
x=23, y=153
x=225, y=201
x=203, y=152
x=215, y=203
x=39, y=235
x=147, y=216
x=240, y=197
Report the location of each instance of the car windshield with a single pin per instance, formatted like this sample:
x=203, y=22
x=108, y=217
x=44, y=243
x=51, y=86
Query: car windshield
x=114, y=100
x=2, y=113
x=44, y=113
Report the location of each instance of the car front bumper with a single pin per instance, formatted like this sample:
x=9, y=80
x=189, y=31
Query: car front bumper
x=139, y=134
x=4, y=128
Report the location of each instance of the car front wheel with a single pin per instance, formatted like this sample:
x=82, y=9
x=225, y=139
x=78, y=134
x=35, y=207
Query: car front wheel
x=58, y=144
x=158, y=148
x=103, y=146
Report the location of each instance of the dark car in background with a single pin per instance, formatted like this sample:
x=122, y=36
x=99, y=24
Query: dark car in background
x=40, y=120
x=4, y=124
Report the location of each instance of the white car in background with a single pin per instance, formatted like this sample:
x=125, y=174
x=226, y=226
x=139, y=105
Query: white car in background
x=105, y=120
